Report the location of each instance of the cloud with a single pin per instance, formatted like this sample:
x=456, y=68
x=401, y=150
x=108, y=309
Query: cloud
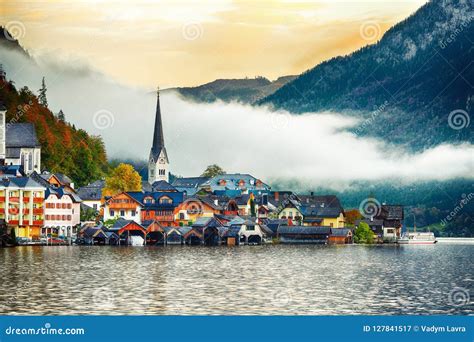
x=317, y=148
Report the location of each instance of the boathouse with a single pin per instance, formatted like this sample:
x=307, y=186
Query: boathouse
x=304, y=234
x=340, y=236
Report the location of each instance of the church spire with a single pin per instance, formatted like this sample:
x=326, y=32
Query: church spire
x=158, y=138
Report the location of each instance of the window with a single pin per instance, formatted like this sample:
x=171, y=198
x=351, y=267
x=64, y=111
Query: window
x=250, y=227
x=112, y=213
x=69, y=205
x=133, y=212
x=94, y=206
x=58, y=205
x=166, y=200
x=47, y=217
x=64, y=217
x=162, y=172
x=122, y=212
x=69, y=217
x=181, y=216
x=64, y=206
x=152, y=173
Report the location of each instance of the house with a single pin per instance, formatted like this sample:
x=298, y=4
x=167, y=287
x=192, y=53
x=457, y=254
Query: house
x=155, y=234
x=58, y=180
x=189, y=185
x=245, y=231
x=123, y=205
x=340, y=236
x=304, y=234
x=313, y=211
x=204, y=231
x=158, y=206
x=129, y=232
x=22, y=207
x=387, y=223
x=62, y=212
x=175, y=235
x=392, y=216
x=98, y=236
x=194, y=208
x=91, y=194
x=237, y=182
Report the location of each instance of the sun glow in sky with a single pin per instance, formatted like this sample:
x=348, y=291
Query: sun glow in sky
x=186, y=43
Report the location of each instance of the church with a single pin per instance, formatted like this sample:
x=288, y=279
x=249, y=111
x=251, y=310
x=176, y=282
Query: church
x=158, y=163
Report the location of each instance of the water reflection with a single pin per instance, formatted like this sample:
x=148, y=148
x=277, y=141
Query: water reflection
x=281, y=279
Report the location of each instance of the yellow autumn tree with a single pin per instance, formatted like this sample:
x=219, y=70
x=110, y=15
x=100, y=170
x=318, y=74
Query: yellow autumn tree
x=122, y=178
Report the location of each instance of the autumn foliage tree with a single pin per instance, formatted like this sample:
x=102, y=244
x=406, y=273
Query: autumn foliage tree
x=122, y=178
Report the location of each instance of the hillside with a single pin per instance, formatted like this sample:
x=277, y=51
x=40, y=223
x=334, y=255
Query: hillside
x=405, y=86
x=247, y=90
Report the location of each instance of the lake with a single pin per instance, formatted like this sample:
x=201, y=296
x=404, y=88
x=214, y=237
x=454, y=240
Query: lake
x=245, y=280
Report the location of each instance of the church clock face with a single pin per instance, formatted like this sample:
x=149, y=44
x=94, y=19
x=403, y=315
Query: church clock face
x=162, y=161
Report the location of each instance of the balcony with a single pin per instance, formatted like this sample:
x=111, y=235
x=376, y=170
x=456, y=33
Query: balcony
x=26, y=199
x=2, y=198
x=13, y=221
x=14, y=199
x=38, y=200
x=118, y=206
x=38, y=211
x=38, y=222
x=164, y=218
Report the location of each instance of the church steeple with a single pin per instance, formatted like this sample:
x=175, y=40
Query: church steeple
x=158, y=138
x=158, y=163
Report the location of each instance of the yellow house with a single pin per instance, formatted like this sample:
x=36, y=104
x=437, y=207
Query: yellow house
x=22, y=206
x=193, y=208
x=314, y=211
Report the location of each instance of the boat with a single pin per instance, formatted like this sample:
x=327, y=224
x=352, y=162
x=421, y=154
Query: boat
x=414, y=238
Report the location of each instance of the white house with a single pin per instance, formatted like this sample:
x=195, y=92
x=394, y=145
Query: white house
x=62, y=213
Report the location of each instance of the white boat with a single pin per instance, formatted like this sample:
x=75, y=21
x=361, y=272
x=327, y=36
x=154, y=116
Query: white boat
x=414, y=238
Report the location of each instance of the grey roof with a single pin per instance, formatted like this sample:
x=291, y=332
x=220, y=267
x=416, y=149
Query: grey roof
x=13, y=152
x=163, y=186
x=391, y=212
x=304, y=230
x=189, y=182
x=21, y=135
x=91, y=192
x=21, y=182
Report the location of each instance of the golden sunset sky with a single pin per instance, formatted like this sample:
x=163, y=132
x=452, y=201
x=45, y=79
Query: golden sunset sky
x=186, y=43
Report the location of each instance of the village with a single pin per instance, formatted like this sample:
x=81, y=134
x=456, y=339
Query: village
x=38, y=207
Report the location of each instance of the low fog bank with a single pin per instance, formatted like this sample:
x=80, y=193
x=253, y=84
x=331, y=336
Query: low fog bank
x=316, y=149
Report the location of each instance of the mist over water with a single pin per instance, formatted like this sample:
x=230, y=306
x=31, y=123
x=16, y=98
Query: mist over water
x=316, y=148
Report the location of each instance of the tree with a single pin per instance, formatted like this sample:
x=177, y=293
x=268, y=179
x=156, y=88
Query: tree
x=363, y=234
x=252, y=206
x=61, y=116
x=88, y=214
x=212, y=171
x=122, y=178
x=352, y=216
x=42, y=94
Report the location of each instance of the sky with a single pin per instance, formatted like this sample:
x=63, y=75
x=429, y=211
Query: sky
x=186, y=43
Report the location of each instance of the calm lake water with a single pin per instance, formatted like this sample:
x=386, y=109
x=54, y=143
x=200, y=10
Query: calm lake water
x=245, y=280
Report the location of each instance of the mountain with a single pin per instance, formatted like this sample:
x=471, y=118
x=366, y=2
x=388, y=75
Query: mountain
x=404, y=87
x=64, y=148
x=247, y=90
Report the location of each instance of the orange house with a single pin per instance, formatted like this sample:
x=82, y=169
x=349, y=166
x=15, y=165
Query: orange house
x=122, y=205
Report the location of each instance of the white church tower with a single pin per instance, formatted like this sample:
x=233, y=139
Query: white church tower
x=158, y=164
